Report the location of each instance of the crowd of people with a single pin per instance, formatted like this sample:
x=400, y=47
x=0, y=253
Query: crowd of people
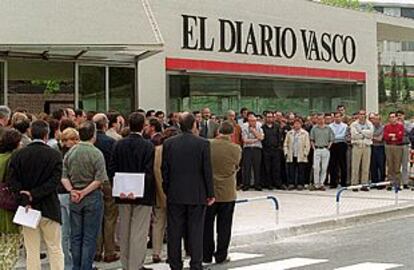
x=63, y=165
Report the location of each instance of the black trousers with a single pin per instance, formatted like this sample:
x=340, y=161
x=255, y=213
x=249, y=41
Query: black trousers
x=296, y=172
x=338, y=162
x=181, y=218
x=271, y=162
x=223, y=211
x=252, y=161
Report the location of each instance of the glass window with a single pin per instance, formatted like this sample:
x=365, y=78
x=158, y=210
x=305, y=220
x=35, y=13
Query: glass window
x=379, y=9
x=221, y=93
x=40, y=86
x=407, y=12
x=407, y=46
x=1, y=83
x=92, y=88
x=122, y=89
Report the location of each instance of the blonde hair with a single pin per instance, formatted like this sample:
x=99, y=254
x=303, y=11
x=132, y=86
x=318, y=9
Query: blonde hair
x=69, y=134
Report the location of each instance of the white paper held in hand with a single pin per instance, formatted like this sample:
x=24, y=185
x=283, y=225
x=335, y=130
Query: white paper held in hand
x=30, y=219
x=127, y=183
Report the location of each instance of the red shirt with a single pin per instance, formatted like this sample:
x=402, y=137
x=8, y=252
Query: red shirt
x=397, y=129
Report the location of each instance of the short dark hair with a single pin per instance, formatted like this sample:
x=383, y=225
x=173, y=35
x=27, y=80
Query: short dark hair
x=149, y=112
x=58, y=114
x=226, y=128
x=196, y=112
x=187, y=121
x=113, y=118
x=90, y=115
x=22, y=125
x=53, y=126
x=251, y=113
x=67, y=123
x=140, y=111
x=392, y=113
x=10, y=140
x=340, y=114
x=136, y=122
x=87, y=131
x=153, y=122
x=243, y=110
x=400, y=112
x=158, y=113
x=40, y=129
x=78, y=112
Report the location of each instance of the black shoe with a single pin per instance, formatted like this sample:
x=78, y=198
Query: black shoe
x=226, y=260
x=355, y=190
x=149, y=244
x=145, y=268
x=291, y=187
x=406, y=187
x=389, y=188
x=270, y=188
x=300, y=187
x=245, y=188
x=364, y=189
x=43, y=256
x=283, y=187
x=258, y=188
x=208, y=261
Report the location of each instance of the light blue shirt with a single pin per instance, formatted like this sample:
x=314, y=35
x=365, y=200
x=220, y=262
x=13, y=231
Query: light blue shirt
x=340, y=131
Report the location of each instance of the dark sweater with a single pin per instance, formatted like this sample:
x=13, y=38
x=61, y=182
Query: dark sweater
x=37, y=168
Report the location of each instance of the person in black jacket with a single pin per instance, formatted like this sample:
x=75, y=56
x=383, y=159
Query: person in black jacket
x=134, y=154
x=106, y=240
x=188, y=185
x=34, y=173
x=272, y=152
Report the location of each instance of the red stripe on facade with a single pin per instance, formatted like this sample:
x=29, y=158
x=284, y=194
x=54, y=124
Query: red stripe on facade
x=229, y=67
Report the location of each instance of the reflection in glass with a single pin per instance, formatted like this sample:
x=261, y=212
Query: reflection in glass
x=40, y=85
x=1, y=83
x=122, y=89
x=221, y=93
x=92, y=88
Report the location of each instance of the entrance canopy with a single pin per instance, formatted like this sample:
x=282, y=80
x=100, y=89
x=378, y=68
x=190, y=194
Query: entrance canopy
x=87, y=30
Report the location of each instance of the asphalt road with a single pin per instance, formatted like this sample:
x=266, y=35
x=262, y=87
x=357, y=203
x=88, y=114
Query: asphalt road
x=384, y=245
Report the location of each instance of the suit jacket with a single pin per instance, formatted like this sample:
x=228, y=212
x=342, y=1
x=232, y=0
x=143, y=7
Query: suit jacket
x=37, y=168
x=186, y=170
x=161, y=200
x=208, y=130
x=134, y=154
x=106, y=145
x=225, y=160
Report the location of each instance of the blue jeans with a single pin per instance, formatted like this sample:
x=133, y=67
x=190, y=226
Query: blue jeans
x=85, y=220
x=65, y=212
x=378, y=163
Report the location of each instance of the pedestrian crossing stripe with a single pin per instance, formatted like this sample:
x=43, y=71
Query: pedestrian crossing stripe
x=234, y=256
x=371, y=266
x=282, y=264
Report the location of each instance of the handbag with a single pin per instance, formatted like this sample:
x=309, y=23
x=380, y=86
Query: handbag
x=7, y=198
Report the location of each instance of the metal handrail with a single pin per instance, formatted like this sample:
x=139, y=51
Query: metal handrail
x=370, y=185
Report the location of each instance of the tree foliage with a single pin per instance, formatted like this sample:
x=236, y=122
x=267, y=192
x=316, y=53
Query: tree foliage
x=354, y=4
x=394, y=83
x=382, y=94
x=406, y=85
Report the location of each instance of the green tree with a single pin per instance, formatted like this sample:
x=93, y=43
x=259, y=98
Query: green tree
x=382, y=94
x=406, y=85
x=394, y=83
x=354, y=4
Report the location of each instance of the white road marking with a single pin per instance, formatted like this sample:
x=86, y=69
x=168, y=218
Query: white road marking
x=235, y=256
x=370, y=266
x=282, y=264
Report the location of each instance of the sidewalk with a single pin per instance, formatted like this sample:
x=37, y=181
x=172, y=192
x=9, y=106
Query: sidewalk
x=304, y=212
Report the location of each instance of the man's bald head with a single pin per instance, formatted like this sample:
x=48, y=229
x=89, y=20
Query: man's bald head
x=101, y=121
x=187, y=121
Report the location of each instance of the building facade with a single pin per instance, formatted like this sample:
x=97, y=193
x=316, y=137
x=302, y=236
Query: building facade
x=269, y=55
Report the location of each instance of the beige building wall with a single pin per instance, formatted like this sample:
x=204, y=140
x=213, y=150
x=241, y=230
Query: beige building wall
x=296, y=14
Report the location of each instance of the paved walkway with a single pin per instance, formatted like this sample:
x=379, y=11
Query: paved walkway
x=296, y=208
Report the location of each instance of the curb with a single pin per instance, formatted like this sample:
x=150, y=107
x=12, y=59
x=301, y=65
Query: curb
x=325, y=224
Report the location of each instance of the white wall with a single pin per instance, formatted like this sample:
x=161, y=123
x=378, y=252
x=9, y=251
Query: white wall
x=296, y=14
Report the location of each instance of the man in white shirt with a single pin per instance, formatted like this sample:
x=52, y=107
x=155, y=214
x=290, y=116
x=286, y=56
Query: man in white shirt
x=338, y=151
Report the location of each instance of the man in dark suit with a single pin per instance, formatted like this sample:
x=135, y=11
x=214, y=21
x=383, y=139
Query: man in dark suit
x=188, y=185
x=106, y=239
x=134, y=154
x=34, y=173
